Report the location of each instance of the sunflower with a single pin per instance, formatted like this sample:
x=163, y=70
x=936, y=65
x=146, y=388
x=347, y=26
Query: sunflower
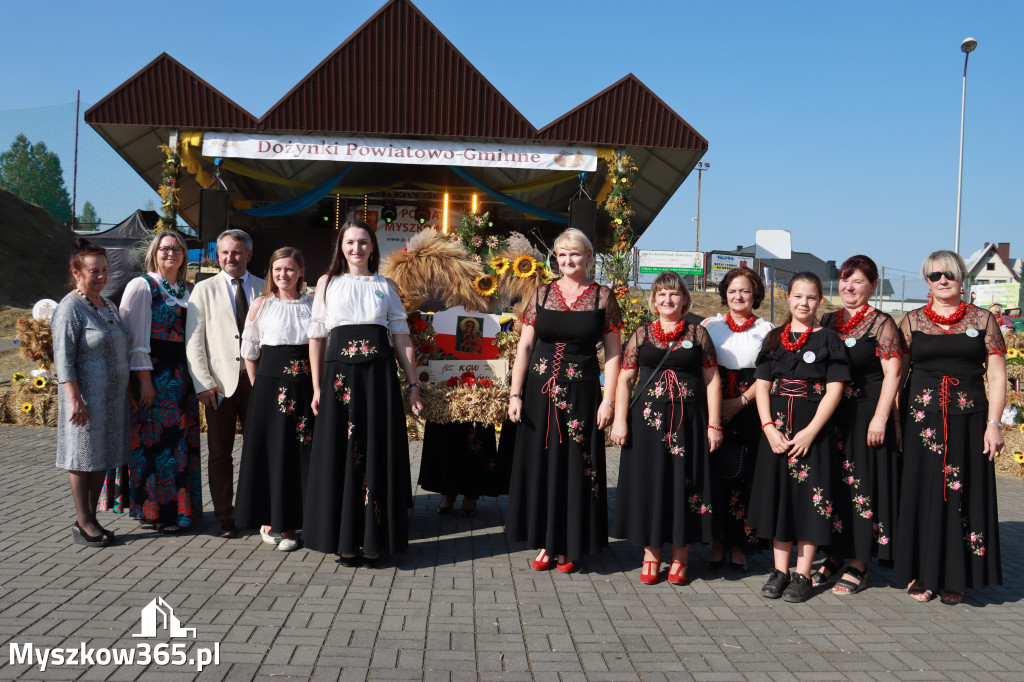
x=1012, y=353
x=39, y=382
x=18, y=376
x=1019, y=457
x=26, y=408
x=500, y=265
x=524, y=266
x=485, y=285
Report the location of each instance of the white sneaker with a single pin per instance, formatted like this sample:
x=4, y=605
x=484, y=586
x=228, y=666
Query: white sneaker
x=287, y=545
x=270, y=538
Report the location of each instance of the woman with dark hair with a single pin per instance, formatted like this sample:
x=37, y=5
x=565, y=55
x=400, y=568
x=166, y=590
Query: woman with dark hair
x=737, y=336
x=161, y=484
x=869, y=438
x=947, y=538
x=90, y=359
x=360, y=487
x=558, y=499
x=800, y=375
x=665, y=486
x=274, y=470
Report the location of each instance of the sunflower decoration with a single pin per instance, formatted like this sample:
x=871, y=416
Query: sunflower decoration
x=18, y=376
x=524, y=266
x=39, y=382
x=500, y=265
x=486, y=285
x=26, y=408
x=1018, y=457
x=1012, y=353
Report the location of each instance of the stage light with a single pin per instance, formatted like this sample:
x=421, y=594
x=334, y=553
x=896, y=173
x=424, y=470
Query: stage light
x=444, y=215
x=475, y=205
x=422, y=215
x=389, y=213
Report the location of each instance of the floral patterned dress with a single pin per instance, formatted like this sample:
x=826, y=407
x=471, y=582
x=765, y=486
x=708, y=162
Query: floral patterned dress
x=870, y=476
x=947, y=535
x=793, y=499
x=557, y=495
x=666, y=488
x=162, y=482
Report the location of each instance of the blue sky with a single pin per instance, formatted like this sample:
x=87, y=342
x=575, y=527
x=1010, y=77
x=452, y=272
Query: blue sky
x=837, y=121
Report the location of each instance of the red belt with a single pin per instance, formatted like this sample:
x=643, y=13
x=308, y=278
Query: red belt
x=792, y=388
x=551, y=388
x=947, y=381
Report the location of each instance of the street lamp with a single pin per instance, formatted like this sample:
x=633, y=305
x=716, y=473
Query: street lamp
x=967, y=47
x=701, y=167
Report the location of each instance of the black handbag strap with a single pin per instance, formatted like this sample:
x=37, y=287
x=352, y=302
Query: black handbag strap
x=639, y=391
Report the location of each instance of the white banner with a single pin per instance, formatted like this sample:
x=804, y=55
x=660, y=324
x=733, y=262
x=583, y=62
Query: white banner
x=682, y=262
x=393, y=236
x=381, y=150
x=722, y=263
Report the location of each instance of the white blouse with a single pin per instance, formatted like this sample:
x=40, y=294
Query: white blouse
x=278, y=322
x=737, y=351
x=357, y=299
x=137, y=313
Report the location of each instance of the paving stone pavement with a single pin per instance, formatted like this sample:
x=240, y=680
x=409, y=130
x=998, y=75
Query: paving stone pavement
x=461, y=604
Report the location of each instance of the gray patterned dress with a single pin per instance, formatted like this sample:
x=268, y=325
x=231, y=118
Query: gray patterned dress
x=90, y=346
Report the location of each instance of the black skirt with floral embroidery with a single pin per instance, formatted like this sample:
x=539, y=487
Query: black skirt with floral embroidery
x=274, y=468
x=360, y=487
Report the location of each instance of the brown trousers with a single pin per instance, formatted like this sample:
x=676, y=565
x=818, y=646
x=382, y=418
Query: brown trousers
x=220, y=438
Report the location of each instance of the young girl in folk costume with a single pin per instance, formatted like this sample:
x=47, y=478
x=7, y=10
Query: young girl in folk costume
x=665, y=486
x=800, y=375
x=360, y=488
x=279, y=427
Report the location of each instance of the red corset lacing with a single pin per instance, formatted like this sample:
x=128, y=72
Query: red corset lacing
x=675, y=395
x=792, y=388
x=552, y=388
x=944, y=403
x=730, y=383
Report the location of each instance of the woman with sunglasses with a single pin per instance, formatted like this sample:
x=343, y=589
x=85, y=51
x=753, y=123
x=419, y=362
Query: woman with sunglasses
x=947, y=537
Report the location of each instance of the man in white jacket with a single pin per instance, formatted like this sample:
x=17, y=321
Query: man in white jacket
x=213, y=333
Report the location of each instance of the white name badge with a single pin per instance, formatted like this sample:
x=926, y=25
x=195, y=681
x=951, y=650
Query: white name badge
x=171, y=302
x=850, y=342
x=972, y=333
x=809, y=357
x=687, y=344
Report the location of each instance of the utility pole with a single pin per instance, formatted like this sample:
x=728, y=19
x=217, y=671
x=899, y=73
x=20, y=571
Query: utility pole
x=701, y=167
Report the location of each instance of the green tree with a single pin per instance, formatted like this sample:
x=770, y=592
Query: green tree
x=88, y=220
x=34, y=174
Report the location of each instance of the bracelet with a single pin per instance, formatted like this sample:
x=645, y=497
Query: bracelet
x=767, y=424
x=744, y=399
x=605, y=402
x=414, y=385
x=515, y=395
x=716, y=428
x=989, y=421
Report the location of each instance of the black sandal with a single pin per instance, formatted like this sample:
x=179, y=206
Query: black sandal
x=833, y=568
x=852, y=587
x=83, y=538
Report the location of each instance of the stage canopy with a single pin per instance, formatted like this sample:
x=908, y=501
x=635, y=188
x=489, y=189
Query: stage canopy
x=397, y=84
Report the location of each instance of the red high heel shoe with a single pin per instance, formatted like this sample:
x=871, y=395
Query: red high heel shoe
x=542, y=562
x=650, y=578
x=566, y=566
x=677, y=576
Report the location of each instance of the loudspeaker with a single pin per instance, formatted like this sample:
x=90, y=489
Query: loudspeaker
x=213, y=213
x=583, y=216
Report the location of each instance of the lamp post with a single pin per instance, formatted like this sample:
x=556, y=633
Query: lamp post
x=967, y=47
x=701, y=167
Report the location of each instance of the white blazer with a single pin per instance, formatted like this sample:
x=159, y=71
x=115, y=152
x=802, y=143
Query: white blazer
x=212, y=340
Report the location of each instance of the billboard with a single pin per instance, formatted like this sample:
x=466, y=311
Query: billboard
x=721, y=263
x=682, y=262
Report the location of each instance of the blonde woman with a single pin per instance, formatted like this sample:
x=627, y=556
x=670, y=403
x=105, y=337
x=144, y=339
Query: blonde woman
x=557, y=495
x=161, y=483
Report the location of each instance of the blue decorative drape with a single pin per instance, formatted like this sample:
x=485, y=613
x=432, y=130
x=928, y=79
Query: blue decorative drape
x=301, y=202
x=514, y=203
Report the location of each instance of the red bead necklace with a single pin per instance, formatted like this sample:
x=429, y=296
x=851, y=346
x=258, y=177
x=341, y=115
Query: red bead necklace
x=664, y=337
x=950, y=319
x=801, y=340
x=739, y=328
x=853, y=321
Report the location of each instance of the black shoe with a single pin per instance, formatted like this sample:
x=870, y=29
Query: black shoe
x=351, y=561
x=777, y=583
x=447, y=502
x=83, y=538
x=715, y=564
x=800, y=589
x=227, y=531
x=739, y=568
x=372, y=562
